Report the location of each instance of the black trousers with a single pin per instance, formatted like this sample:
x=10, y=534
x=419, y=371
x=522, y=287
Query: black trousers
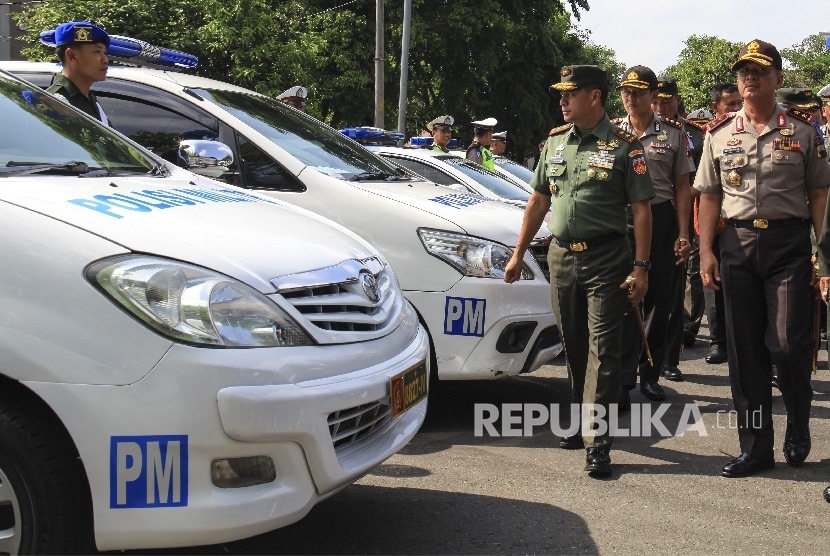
x=676, y=318
x=714, y=307
x=657, y=304
x=768, y=300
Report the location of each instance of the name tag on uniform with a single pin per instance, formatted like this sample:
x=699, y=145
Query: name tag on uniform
x=733, y=150
x=556, y=160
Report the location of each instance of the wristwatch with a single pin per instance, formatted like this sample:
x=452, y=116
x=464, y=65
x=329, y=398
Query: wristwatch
x=645, y=265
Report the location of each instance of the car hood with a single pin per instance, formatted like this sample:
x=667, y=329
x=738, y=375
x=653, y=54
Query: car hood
x=475, y=215
x=250, y=237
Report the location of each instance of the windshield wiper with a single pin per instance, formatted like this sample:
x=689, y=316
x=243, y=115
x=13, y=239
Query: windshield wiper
x=158, y=171
x=366, y=176
x=15, y=168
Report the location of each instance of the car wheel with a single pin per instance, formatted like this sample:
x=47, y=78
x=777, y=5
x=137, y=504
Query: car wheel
x=44, y=507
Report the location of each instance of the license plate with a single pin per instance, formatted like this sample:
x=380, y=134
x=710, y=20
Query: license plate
x=408, y=388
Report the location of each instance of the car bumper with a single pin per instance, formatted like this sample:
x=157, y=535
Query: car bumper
x=220, y=405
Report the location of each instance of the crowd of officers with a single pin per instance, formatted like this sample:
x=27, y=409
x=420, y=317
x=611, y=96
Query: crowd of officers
x=650, y=206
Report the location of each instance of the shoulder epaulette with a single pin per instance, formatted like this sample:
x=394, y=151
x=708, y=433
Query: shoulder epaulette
x=717, y=122
x=673, y=123
x=805, y=117
x=624, y=135
x=560, y=129
x=696, y=125
x=616, y=121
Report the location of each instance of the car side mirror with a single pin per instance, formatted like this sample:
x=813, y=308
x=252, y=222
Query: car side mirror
x=206, y=158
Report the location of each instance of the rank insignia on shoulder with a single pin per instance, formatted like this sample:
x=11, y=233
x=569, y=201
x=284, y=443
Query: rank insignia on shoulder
x=560, y=129
x=616, y=121
x=624, y=135
x=800, y=115
x=696, y=126
x=717, y=122
x=673, y=123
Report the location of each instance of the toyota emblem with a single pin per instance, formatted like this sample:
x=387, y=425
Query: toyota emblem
x=370, y=286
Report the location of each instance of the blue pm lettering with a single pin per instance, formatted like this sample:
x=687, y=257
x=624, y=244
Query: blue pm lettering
x=464, y=316
x=457, y=200
x=148, y=471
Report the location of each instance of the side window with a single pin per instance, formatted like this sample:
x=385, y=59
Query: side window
x=260, y=171
x=425, y=171
x=42, y=80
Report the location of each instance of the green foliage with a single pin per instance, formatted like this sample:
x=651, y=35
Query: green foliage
x=704, y=62
x=468, y=58
x=807, y=64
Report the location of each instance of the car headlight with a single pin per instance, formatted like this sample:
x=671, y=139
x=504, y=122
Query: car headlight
x=195, y=305
x=471, y=256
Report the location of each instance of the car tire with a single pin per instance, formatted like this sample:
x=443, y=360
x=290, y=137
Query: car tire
x=44, y=498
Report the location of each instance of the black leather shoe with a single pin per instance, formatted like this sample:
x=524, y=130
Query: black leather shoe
x=598, y=460
x=797, y=445
x=573, y=442
x=652, y=391
x=716, y=355
x=689, y=338
x=670, y=372
x=624, y=401
x=827, y=494
x=746, y=465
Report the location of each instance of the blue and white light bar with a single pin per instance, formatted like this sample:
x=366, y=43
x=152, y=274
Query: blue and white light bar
x=427, y=141
x=136, y=52
x=373, y=135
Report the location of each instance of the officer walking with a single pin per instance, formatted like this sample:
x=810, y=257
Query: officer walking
x=295, y=97
x=666, y=105
x=81, y=47
x=759, y=168
x=441, y=129
x=479, y=149
x=667, y=151
x=588, y=172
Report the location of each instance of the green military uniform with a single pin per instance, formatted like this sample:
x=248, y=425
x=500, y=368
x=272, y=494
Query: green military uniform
x=591, y=176
x=64, y=88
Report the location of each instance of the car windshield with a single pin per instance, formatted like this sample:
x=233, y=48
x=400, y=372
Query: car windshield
x=41, y=131
x=517, y=170
x=307, y=139
x=488, y=179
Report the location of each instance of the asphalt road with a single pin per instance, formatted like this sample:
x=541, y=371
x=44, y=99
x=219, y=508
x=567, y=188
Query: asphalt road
x=450, y=492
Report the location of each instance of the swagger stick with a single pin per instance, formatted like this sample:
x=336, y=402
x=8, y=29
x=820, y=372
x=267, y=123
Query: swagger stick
x=816, y=331
x=630, y=282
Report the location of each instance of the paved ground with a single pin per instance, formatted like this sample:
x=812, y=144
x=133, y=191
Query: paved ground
x=449, y=492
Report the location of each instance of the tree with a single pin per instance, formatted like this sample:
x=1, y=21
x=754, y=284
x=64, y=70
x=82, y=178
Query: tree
x=704, y=62
x=807, y=64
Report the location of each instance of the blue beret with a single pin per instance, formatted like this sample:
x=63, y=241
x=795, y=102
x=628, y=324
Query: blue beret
x=75, y=32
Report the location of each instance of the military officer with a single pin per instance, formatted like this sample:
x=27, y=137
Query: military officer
x=666, y=105
x=760, y=166
x=441, y=129
x=81, y=47
x=588, y=172
x=479, y=150
x=295, y=97
x=824, y=95
x=800, y=98
x=499, y=143
x=669, y=156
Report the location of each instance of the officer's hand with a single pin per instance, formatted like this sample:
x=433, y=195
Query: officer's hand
x=709, y=270
x=638, y=287
x=513, y=270
x=824, y=283
x=682, y=250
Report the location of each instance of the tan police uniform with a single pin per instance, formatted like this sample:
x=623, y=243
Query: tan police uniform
x=667, y=153
x=765, y=261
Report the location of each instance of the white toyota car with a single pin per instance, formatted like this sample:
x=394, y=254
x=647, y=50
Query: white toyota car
x=447, y=248
x=182, y=362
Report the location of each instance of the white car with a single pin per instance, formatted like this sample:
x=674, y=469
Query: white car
x=515, y=172
x=457, y=172
x=183, y=362
x=448, y=249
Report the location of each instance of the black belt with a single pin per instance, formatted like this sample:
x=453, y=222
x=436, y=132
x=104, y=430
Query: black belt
x=660, y=207
x=584, y=245
x=764, y=224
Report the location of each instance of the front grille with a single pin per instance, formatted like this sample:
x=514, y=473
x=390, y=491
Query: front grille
x=540, y=253
x=350, y=426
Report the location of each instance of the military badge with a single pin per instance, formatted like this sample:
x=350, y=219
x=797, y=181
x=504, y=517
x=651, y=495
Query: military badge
x=634, y=153
x=663, y=136
x=613, y=144
x=733, y=142
x=739, y=123
x=657, y=125
x=603, y=175
x=624, y=135
x=805, y=117
x=733, y=150
x=560, y=147
x=554, y=189
x=782, y=120
x=83, y=34
x=739, y=160
x=788, y=131
x=565, y=72
x=592, y=173
x=639, y=165
x=734, y=178
x=633, y=76
x=785, y=144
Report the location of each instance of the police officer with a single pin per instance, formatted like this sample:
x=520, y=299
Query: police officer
x=803, y=99
x=666, y=105
x=588, y=172
x=295, y=97
x=81, y=47
x=479, y=149
x=499, y=143
x=759, y=168
x=667, y=151
x=441, y=130
x=824, y=95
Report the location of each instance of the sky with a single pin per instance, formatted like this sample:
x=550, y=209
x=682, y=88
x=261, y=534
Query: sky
x=651, y=32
